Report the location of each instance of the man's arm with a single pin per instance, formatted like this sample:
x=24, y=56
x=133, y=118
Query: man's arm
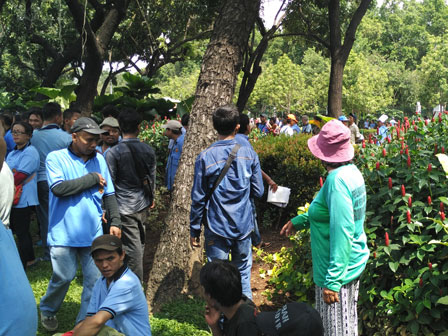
x=256, y=180
x=92, y=324
x=76, y=186
x=198, y=195
x=111, y=206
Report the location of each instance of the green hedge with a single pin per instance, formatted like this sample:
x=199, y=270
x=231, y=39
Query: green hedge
x=288, y=161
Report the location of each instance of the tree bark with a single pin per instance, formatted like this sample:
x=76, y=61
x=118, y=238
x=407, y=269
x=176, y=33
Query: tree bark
x=339, y=52
x=176, y=265
x=96, y=49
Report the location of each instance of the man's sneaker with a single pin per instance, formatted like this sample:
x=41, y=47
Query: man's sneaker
x=50, y=323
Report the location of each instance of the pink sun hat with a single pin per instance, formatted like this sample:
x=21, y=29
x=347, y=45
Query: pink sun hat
x=332, y=144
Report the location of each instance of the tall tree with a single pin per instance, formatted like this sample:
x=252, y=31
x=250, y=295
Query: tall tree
x=324, y=22
x=176, y=264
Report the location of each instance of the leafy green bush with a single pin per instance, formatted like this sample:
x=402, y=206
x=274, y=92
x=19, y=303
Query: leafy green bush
x=288, y=161
x=289, y=273
x=404, y=287
x=152, y=134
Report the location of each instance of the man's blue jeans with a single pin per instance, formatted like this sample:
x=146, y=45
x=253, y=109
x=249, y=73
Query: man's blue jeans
x=217, y=247
x=64, y=263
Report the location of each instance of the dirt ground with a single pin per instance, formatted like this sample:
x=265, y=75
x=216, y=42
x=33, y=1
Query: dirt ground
x=272, y=239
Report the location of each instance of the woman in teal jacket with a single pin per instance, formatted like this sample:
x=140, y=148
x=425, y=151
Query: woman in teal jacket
x=336, y=219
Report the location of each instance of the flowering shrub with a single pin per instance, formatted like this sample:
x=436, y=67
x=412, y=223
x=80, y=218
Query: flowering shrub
x=404, y=287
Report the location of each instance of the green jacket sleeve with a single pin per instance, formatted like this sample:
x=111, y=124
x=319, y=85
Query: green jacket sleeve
x=301, y=221
x=342, y=230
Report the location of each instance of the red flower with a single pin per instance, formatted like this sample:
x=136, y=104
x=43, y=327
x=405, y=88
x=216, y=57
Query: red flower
x=408, y=216
x=401, y=152
x=432, y=120
x=442, y=207
x=363, y=144
x=374, y=254
x=442, y=150
x=407, y=151
x=403, y=191
x=384, y=151
x=429, y=167
x=377, y=165
x=409, y=161
x=415, y=128
x=388, y=140
x=386, y=237
x=413, y=122
x=410, y=202
x=390, y=183
x=321, y=181
x=429, y=200
x=426, y=122
x=430, y=265
x=442, y=215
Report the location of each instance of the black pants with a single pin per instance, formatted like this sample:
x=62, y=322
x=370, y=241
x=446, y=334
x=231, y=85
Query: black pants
x=20, y=226
x=133, y=238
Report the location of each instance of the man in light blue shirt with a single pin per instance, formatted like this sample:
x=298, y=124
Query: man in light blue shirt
x=47, y=139
x=79, y=180
x=117, y=299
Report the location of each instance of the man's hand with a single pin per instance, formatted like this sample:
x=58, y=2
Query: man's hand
x=195, y=241
x=273, y=186
x=287, y=229
x=153, y=205
x=102, y=181
x=330, y=296
x=115, y=231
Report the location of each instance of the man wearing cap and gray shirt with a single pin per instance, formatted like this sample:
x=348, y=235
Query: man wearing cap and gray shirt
x=79, y=180
x=173, y=130
x=132, y=165
x=111, y=137
x=117, y=300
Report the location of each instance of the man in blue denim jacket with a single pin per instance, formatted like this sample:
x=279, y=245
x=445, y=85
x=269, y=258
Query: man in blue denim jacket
x=229, y=214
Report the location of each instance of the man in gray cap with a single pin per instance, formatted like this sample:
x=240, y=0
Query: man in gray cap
x=173, y=130
x=111, y=137
x=79, y=182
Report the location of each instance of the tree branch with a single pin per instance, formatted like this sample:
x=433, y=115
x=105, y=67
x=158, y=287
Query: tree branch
x=349, y=38
x=44, y=44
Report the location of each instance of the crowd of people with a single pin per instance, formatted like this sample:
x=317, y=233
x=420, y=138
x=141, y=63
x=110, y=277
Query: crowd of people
x=92, y=184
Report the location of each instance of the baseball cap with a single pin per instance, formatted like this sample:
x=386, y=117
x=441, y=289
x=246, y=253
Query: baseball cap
x=110, y=121
x=106, y=242
x=292, y=117
x=172, y=124
x=87, y=125
x=293, y=319
x=343, y=118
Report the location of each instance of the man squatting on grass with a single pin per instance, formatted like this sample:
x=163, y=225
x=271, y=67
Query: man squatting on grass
x=117, y=300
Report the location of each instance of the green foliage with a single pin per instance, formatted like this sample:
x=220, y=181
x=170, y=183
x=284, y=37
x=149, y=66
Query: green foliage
x=290, y=270
x=405, y=282
x=152, y=134
x=289, y=163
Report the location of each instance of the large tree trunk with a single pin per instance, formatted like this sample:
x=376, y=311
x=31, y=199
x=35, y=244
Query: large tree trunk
x=335, y=87
x=176, y=265
x=96, y=48
x=340, y=50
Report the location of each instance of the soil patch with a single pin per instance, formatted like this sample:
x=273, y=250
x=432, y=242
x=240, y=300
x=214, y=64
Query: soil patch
x=274, y=242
